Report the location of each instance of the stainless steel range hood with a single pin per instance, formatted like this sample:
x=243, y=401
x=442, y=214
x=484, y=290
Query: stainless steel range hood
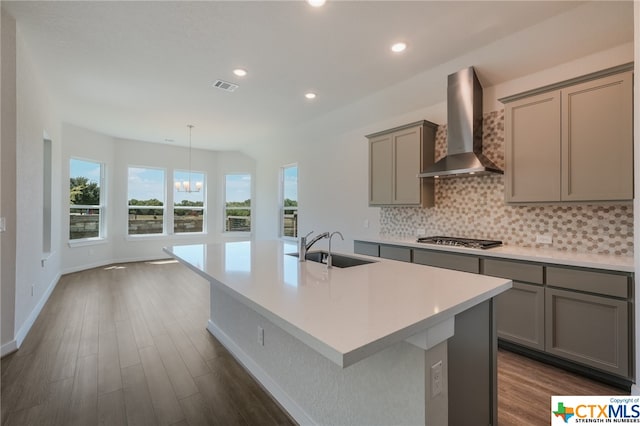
x=464, y=130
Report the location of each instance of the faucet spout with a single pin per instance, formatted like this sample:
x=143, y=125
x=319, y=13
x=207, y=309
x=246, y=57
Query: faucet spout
x=329, y=259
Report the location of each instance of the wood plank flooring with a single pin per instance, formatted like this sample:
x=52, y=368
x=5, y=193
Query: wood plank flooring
x=127, y=345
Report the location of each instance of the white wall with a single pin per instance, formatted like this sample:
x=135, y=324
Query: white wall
x=117, y=155
x=332, y=154
x=35, y=117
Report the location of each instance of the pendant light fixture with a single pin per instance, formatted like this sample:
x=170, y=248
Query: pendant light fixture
x=187, y=185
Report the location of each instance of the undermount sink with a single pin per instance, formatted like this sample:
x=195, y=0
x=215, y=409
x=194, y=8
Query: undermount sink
x=337, y=260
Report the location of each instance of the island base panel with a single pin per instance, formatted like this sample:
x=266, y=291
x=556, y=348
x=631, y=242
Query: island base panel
x=389, y=387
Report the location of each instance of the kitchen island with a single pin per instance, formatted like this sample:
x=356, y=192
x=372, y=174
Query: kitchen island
x=359, y=345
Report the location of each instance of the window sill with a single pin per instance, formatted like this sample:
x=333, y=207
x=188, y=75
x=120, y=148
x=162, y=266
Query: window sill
x=237, y=233
x=150, y=237
x=87, y=242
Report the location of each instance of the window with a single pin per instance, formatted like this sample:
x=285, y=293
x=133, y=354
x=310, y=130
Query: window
x=289, y=209
x=146, y=194
x=237, y=207
x=188, y=207
x=86, y=205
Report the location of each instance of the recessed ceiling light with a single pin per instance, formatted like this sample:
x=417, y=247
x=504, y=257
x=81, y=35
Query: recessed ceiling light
x=316, y=3
x=240, y=72
x=399, y=47
x=310, y=95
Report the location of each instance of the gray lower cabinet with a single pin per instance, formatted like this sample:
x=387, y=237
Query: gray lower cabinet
x=519, y=310
x=581, y=315
x=366, y=248
x=458, y=262
x=395, y=253
x=520, y=315
x=589, y=329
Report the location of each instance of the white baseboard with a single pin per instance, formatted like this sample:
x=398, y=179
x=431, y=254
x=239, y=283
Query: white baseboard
x=297, y=412
x=26, y=327
x=8, y=347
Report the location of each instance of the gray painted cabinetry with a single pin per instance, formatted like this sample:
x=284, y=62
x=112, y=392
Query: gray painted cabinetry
x=520, y=310
x=571, y=141
x=396, y=156
x=578, y=316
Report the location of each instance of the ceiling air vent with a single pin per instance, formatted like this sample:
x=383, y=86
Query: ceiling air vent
x=225, y=85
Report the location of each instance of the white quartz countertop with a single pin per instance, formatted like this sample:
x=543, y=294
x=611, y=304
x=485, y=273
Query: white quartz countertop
x=557, y=257
x=345, y=314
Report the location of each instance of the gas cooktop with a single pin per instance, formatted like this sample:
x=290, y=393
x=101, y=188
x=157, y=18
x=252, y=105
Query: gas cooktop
x=460, y=242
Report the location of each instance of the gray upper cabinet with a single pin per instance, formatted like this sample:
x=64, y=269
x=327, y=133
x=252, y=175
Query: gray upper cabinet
x=532, y=151
x=571, y=141
x=396, y=156
x=597, y=140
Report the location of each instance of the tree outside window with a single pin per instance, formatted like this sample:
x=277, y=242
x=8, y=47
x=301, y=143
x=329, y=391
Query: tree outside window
x=85, y=202
x=189, y=207
x=146, y=195
x=237, y=190
x=289, y=209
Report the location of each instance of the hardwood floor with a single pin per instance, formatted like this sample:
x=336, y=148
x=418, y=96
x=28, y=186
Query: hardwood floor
x=525, y=388
x=127, y=345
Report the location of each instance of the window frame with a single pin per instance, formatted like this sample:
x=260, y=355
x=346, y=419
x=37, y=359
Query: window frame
x=101, y=207
x=225, y=208
x=165, y=211
x=172, y=219
x=281, y=202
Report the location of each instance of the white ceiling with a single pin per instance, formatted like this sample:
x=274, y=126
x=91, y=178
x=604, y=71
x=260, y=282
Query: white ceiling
x=144, y=70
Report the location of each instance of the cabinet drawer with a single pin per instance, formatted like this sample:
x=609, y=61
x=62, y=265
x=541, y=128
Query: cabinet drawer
x=368, y=249
x=516, y=271
x=592, y=330
x=589, y=281
x=438, y=259
x=520, y=315
x=395, y=253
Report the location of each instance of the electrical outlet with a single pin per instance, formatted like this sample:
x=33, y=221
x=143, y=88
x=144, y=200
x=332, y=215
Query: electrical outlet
x=420, y=232
x=3, y=224
x=365, y=224
x=544, y=239
x=436, y=379
x=260, y=336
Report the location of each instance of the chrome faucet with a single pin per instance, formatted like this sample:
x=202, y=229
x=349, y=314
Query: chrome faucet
x=329, y=259
x=303, y=246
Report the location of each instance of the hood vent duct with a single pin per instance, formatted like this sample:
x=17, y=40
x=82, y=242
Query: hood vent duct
x=464, y=130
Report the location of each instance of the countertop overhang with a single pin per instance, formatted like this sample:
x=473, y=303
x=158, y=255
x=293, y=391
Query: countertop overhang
x=344, y=314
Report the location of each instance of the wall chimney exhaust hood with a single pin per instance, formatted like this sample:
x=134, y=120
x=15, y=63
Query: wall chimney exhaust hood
x=464, y=130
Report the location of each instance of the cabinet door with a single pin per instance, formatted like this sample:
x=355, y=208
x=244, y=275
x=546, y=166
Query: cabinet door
x=380, y=170
x=395, y=253
x=591, y=330
x=366, y=248
x=597, y=140
x=532, y=148
x=439, y=259
x=407, y=154
x=520, y=315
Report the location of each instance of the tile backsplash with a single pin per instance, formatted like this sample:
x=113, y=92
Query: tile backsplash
x=474, y=207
